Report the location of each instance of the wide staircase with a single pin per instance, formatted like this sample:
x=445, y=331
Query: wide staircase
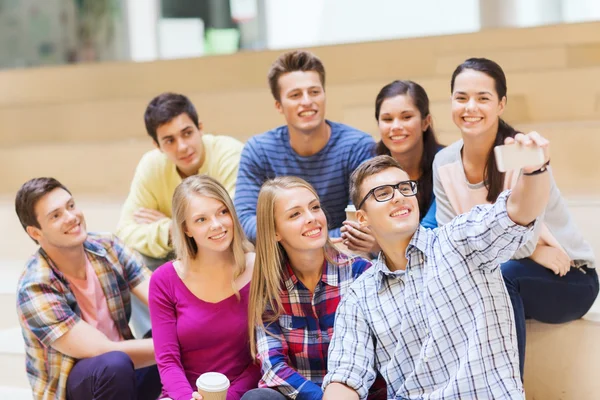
x=84, y=125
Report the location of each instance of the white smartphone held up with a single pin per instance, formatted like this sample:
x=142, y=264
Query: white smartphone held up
x=516, y=156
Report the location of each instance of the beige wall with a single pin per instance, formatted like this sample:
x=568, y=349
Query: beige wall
x=53, y=120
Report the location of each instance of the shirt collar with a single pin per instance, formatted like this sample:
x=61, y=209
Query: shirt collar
x=329, y=276
x=419, y=241
x=382, y=272
x=89, y=245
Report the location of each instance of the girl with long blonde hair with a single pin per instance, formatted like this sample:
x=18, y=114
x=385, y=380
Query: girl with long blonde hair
x=299, y=279
x=199, y=302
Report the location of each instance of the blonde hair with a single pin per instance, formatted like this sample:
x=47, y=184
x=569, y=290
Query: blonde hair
x=185, y=247
x=271, y=257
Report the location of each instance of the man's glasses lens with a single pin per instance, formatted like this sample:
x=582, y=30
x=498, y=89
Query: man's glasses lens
x=386, y=192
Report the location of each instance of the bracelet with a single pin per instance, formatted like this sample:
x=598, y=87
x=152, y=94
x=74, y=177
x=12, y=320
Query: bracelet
x=542, y=169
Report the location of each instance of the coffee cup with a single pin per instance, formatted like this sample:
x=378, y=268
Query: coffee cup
x=350, y=212
x=213, y=386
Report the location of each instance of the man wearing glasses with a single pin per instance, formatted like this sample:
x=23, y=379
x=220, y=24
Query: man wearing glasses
x=432, y=315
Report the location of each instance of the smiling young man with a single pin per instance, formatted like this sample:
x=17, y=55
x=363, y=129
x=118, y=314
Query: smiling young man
x=73, y=302
x=322, y=152
x=182, y=150
x=433, y=315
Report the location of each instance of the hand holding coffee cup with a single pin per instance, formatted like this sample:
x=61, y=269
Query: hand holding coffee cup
x=350, y=212
x=212, y=386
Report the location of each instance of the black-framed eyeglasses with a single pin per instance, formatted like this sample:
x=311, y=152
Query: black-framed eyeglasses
x=386, y=192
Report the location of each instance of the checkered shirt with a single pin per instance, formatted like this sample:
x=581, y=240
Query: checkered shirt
x=47, y=308
x=293, y=353
x=444, y=327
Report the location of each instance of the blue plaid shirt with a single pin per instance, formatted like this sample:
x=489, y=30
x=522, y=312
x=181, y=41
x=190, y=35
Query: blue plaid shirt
x=444, y=327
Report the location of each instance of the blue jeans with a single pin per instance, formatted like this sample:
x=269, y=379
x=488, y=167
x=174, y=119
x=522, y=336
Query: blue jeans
x=536, y=293
x=263, y=394
x=111, y=376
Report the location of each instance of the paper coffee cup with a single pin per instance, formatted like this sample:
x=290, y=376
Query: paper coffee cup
x=350, y=213
x=213, y=386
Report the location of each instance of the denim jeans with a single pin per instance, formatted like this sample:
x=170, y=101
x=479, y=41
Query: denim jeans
x=111, y=376
x=263, y=394
x=537, y=293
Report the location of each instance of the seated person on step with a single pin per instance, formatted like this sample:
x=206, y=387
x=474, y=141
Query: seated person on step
x=182, y=150
x=73, y=302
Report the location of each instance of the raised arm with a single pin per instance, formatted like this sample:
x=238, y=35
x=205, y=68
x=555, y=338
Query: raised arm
x=489, y=235
x=532, y=191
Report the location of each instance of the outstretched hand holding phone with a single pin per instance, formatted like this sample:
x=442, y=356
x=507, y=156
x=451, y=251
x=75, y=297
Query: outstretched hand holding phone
x=532, y=191
x=525, y=151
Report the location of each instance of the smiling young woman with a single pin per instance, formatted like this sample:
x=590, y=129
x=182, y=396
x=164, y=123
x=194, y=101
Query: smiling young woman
x=552, y=277
x=199, y=303
x=297, y=285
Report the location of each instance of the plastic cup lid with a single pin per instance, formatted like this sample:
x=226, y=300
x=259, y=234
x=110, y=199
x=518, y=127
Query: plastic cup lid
x=350, y=207
x=212, y=382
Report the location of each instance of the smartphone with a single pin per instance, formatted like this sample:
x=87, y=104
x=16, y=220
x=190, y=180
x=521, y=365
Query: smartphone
x=516, y=156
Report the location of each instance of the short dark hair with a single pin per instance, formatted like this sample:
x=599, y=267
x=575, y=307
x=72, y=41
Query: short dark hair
x=296, y=60
x=163, y=108
x=28, y=196
x=366, y=169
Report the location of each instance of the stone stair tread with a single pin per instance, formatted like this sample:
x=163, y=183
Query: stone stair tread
x=15, y=393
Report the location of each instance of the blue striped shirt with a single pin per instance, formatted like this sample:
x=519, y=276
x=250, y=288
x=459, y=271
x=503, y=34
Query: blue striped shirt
x=269, y=155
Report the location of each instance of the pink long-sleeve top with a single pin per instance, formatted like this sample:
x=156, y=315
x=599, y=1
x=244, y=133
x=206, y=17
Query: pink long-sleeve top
x=192, y=336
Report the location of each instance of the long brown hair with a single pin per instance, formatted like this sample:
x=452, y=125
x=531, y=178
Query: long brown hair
x=492, y=178
x=271, y=256
x=430, y=143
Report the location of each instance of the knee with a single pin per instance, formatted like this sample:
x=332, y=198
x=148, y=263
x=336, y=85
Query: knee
x=262, y=394
x=510, y=269
x=116, y=366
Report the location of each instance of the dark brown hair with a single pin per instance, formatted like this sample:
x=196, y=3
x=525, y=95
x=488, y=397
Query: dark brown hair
x=28, y=196
x=163, y=108
x=492, y=178
x=430, y=143
x=366, y=169
x=297, y=60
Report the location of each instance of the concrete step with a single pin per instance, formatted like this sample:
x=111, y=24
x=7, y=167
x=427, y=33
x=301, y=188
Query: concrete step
x=112, y=163
x=14, y=393
x=12, y=359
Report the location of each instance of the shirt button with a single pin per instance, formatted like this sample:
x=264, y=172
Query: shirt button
x=410, y=273
x=425, y=358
